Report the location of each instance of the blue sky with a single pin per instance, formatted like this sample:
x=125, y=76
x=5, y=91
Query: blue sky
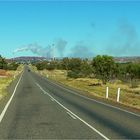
x=88, y=28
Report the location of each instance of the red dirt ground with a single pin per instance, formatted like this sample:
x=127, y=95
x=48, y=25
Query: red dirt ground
x=3, y=73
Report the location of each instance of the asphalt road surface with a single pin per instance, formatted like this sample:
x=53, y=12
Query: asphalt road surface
x=42, y=109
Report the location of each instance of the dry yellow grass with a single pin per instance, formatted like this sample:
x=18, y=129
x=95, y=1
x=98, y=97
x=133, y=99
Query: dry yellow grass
x=4, y=82
x=128, y=96
x=7, y=79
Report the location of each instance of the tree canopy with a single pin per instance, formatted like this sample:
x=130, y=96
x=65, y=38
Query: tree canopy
x=104, y=67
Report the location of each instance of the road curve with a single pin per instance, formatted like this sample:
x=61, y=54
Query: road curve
x=42, y=109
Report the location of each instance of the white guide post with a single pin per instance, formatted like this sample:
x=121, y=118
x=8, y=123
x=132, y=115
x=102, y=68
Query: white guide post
x=106, y=92
x=118, y=95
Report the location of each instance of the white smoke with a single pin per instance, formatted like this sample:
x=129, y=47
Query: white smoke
x=60, y=46
x=36, y=49
x=47, y=52
x=82, y=50
x=20, y=50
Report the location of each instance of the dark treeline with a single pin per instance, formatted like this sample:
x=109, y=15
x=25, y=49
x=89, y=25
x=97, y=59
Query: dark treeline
x=7, y=66
x=101, y=67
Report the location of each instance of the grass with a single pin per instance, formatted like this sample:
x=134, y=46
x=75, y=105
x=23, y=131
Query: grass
x=128, y=96
x=4, y=82
x=6, y=77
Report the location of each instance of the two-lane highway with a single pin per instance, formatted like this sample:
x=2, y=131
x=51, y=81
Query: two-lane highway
x=42, y=109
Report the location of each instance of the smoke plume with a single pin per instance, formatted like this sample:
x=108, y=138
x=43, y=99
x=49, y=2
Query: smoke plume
x=36, y=49
x=48, y=52
x=125, y=42
x=60, y=46
x=81, y=50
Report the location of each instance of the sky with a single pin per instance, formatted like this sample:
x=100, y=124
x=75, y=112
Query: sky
x=69, y=28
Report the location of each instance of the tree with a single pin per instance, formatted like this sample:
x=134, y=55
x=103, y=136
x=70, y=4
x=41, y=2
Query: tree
x=122, y=73
x=40, y=65
x=51, y=65
x=133, y=72
x=86, y=68
x=74, y=68
x=12, y=66
x=3, y=63
x=104, y=67
x=65, y=63
x=74, y=64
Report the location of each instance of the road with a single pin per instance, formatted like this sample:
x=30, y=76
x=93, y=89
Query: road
x=42, y=109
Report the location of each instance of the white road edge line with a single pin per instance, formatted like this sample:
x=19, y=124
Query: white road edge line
x=94, y=129
x=97, y=101
x=71, y=115
x=8, y=103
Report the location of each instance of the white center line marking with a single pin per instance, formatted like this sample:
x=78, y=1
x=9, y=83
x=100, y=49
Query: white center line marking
x=8, y=103
x=71, y=115
x=91, y=127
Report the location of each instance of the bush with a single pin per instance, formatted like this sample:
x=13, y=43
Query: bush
x=73, y=74
x=3, y=63
x=40, y=66
x=12, y=66
x=50, y=66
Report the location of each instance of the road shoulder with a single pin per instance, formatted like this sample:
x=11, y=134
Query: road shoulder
x=9, y=91
x=98, y=99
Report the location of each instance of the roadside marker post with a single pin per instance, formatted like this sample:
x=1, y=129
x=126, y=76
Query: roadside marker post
x=118, y=95
x=106, y=92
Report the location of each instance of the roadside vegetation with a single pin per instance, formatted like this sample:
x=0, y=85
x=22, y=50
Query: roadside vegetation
x=93, y=76
x=8, y=72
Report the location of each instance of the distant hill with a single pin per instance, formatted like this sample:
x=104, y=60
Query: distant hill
x=35, y=59
x=127, y=59
x=27, y=59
